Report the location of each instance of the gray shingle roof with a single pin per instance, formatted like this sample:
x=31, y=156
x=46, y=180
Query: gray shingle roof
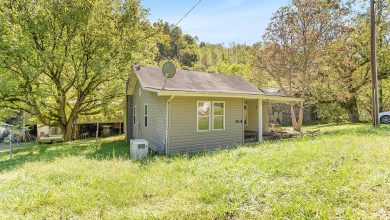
x=192, y=81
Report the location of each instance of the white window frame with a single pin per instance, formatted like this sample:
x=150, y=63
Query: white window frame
x=197, y=116
x=213, y=115
x=146, y=115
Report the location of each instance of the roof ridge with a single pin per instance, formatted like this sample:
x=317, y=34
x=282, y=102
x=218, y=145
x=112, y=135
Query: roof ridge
x=194, y=80
x=138, y=66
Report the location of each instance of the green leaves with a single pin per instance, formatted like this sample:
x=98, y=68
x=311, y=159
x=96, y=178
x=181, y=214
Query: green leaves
x=64, y=57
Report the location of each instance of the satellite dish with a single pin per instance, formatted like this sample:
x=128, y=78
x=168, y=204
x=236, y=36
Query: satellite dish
x=169, y=69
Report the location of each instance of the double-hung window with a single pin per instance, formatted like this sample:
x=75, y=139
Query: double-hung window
x=210, y=115
x=146, y=115
x=204, y=112
x=218, y=115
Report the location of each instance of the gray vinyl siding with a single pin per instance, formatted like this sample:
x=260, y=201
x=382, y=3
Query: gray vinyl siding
x=154, y=133
x=252, y=115
x=129, y=117
x=183, y=134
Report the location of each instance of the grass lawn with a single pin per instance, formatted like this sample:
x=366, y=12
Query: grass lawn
x=343, y=173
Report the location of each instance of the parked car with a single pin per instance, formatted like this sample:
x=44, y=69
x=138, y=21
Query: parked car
x=384, y=117
x=52, y=139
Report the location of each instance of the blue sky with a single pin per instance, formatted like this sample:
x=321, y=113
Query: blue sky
x=217, y=21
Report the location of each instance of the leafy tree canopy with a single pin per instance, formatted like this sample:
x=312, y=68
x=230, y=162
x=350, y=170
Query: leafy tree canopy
x=64, y=59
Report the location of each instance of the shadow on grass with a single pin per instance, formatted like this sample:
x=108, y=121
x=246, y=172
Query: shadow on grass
x=110, y=150
x=118, y=149
x=49, y=152
x=330, y=125
x=384, y=130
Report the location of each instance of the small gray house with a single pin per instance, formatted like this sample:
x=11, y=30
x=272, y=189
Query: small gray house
x=194, y=111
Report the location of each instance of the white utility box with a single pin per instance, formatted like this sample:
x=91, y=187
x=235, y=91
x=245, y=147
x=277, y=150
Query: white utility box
x=138, y=149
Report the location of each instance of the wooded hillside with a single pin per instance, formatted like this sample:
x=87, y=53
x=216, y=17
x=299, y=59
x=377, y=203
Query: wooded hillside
x=61, y=60
x=318, y=49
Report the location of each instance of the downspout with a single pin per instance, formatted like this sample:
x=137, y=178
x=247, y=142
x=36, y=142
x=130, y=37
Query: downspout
x=167, y=124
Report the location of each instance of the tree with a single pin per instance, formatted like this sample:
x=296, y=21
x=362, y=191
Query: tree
x=383, y=50
x=294, y=43
x=231, y=60
x=345, y=72
x=65, y=59
x=174, y=45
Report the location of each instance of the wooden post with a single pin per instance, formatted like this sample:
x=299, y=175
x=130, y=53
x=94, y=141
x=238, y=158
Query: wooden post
x=374, y=75
x=24, y=126
x=10, y=145
x=260, y=120
x=97, y=132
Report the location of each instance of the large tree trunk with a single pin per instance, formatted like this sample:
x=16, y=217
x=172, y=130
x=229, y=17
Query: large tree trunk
x=353, y=114
x=293, y=117
x=297, y=125
x=67, y=130
x=300, y=117
x=351, y=107
x=68, y=135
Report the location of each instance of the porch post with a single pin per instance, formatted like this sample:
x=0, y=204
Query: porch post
x=260, y=120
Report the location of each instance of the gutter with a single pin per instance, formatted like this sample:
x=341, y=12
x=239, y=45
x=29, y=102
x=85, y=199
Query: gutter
x=167, y=124
x=230, y=95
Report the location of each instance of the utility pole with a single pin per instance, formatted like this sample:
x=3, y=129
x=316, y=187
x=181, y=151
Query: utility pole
x=374, y=75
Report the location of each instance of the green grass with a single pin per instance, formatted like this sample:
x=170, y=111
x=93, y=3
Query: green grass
x=343, y=173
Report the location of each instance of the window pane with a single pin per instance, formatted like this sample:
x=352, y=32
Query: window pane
x=204, y=108
x=146, y=110
x=218, y=108
x=146, y=121
x=218, y=122
x=203, y=123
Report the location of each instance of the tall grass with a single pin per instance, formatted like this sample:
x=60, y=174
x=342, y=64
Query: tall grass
x=343, y=173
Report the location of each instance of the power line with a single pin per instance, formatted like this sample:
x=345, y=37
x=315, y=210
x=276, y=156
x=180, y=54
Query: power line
x=188, y=12
x=193, y=7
